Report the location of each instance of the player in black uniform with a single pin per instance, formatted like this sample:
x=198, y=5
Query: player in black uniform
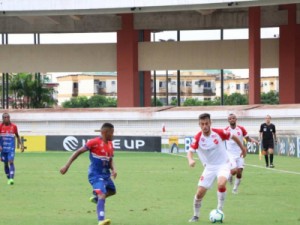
x=267, y=134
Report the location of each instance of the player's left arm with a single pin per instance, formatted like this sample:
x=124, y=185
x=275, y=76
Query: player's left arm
x=246, y=136
x=113, y=168
x=274, y=135
x=19, y=141
x=240, y=144
x=249, y=139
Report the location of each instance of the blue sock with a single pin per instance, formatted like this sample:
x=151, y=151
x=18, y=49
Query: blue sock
x=12, y=171
x=100, y=209
x=6, y=170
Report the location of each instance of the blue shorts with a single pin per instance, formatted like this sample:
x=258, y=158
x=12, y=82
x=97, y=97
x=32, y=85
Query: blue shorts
x=102, y=185
x=7, y=156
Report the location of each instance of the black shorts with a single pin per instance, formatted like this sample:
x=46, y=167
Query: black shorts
x=268, y=144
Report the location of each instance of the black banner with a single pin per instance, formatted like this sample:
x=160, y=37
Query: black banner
x=121, y=143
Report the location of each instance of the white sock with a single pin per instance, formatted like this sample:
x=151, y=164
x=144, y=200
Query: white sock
x=237, y=183
x=221, y=199
x=197, y=206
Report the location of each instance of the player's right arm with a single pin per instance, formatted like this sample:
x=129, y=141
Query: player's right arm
x=191, y=161
x=193, y=147
x=73, y=157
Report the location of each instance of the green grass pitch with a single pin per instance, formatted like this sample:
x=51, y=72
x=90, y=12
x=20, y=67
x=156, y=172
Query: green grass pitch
x=152, y=188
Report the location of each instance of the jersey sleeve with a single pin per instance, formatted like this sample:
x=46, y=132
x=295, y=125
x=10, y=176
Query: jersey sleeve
x=274, y=129
x=16, y=130
x=224, y=134
x=195, y=143
x=91, y=143
x=244, y=132
x=261, y=128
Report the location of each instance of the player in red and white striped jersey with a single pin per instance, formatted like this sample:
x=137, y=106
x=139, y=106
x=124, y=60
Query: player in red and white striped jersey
x=234, y=150
x=209, y=144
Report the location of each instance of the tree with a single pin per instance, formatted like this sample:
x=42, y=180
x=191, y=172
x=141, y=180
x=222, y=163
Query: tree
x=95, y=101
x=174, y=102
x=30, y=92
x=192, y=102
x=271, y=98
x=158, y=102
x=235, y=99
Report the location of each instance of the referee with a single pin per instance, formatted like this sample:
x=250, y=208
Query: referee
x=267, y=134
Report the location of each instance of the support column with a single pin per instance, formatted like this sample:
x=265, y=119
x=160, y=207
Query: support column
x=127, y=63
x=289, y=58
x=134, y=87
x=254, y=55
x=147, y=92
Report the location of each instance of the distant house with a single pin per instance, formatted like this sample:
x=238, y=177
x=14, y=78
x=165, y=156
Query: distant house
x=201, y=85
x=74, y=85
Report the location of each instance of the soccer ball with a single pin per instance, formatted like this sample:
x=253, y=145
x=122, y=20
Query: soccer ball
x=216, y=216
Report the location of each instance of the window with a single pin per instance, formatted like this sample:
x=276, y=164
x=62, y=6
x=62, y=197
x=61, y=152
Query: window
x=102, y=84
x=189, y=83
x=113, y=82
x=75, y=85
x=238, y=86
x=207, y=84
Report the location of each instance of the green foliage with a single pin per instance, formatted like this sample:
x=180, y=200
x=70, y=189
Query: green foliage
x=95, y=101
x=271, y=98
x=196, y=102
x=29, y=91
x=111, y=102
x=192, y=102
x=158, y=102
x=235, y=99
x=174, y=102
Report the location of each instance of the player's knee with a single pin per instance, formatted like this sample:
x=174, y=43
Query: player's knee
x=233, y=172
x=99, y=194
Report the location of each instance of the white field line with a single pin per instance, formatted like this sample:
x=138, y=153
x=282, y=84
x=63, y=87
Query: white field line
x=256, y=166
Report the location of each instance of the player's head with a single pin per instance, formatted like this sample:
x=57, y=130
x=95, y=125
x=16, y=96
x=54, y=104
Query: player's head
x=268, y=119
x=205, y=122
x=5, y=118
x=107, y=131
x=232, y=119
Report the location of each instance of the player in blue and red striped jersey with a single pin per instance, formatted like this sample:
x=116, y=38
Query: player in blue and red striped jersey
x=8, y=132
x=101, y=168
x=234, y=151
x=209, y=144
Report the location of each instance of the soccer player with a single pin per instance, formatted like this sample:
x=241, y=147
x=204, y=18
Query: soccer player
x=8, y=132
x=267, y=134
x=234, y=151
x=101, y=168
x=209, y=143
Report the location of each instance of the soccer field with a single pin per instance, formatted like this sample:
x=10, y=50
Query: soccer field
x=152, y=188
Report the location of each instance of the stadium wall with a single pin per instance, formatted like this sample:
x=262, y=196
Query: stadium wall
x=36, y=126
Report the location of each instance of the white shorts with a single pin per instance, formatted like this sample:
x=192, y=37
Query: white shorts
x=209, y=175
x=237, y=162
